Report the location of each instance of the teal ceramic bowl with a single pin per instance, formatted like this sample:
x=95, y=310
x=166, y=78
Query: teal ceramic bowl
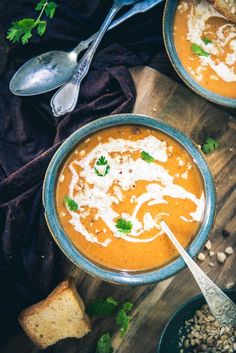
x=170, y=337
x=64, y=242
x=168, y=25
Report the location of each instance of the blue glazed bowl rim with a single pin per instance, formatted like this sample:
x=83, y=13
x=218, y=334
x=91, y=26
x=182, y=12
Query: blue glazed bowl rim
x=180, y=308
x=168, y=19
x=64, y=242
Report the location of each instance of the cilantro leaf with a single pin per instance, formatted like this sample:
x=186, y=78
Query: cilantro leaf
x=104, y=344
x=50, y=9
x=102, y=307
x=127, y=306
x=41, y=27
x=40, y=5
x=102, y=162
x=210, y=145
x=206, y=40
x=21, y=30
x=147, y=157
x=196, y=49
x=70, y=203
x=123, y=319
x=124, y=226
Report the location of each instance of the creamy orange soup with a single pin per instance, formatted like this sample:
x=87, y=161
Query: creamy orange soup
x=206, y=44
x=114, y=189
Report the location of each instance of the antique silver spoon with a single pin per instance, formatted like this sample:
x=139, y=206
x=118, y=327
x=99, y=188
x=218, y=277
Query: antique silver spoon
x=65, y=99
x=221, y=306
x=52, y=69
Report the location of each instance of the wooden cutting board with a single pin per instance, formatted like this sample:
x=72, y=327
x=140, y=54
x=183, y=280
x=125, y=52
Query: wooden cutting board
x=158, y=96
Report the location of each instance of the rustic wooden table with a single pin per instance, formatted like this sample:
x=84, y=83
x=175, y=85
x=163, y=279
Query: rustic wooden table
x=158, y=96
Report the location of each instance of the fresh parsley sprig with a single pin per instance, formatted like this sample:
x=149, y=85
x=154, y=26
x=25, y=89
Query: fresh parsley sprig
x=210, y=145
x=21, y=30
x=124, y=226
x=122, y=317
x=102, y=162
x=102, y=307
x=70, y=203
x=196, y=49
x=105, y=307
x=206, y=40
x=104, y=344
x=147, y=157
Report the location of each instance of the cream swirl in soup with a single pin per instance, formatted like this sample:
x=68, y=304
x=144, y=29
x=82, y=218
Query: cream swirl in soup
x=206, y=44
x=117, y=185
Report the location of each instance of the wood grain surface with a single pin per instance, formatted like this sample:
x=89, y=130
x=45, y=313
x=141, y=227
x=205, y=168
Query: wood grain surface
x=158, y=96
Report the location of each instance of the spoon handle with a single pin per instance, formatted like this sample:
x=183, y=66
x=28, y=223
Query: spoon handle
x=140, y=7
x=221, y=306
x=65, y=99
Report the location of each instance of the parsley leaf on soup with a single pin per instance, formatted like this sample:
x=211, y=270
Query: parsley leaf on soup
x=147, y=157
x=104, y=344
x=210, y=145
x=196, y=49
x=206, y=40
x=123, y=319
x=102, y=162
x=124, y=226
x=70, y=204
x=102, y=307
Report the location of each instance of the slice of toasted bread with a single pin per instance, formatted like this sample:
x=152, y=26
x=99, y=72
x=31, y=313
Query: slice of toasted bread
x=226, y=7
x=59, y=316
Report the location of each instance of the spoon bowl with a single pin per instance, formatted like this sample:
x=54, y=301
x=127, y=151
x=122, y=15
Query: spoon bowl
x=52, y=69
x=43, y=73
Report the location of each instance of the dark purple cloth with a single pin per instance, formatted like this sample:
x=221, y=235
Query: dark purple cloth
x=30, y=262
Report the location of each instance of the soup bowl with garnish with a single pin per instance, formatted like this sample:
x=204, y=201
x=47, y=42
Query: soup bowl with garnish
x=111, y=183
x=201, y=44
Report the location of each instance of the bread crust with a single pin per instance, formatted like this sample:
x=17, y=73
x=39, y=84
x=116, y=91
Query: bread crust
x=64, y=286
x=227, y=9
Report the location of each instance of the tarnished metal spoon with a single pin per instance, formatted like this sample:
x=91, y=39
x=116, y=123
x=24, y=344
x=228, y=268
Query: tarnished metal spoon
x=221, y=306
x=65, y=99
x=50, y=70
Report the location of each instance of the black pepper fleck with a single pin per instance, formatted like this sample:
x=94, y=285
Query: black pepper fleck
x=135, y=130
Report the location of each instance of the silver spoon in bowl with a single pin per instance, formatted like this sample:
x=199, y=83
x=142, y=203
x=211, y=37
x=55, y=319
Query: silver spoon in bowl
x=65, y=99
x=221, y=306
x=52, y=69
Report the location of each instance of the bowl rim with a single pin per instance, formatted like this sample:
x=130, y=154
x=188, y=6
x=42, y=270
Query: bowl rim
x=181, y=307
x=64, y=243
x=168, y=18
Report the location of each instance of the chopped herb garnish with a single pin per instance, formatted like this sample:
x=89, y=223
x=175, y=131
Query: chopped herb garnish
x=196, y=49
x=122, y=317
x=124, y=226
x=102, y=162
x=102, y=307
x=210, y=145
x=21, y=30
x=147, y=157
x=70, y=203
x=104, y=344
x=206, y=40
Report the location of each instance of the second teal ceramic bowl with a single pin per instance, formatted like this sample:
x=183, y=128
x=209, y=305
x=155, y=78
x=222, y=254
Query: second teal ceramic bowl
x=120, y=277
x=168, y=25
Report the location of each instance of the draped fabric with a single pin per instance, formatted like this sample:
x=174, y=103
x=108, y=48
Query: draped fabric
x=30, y=262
